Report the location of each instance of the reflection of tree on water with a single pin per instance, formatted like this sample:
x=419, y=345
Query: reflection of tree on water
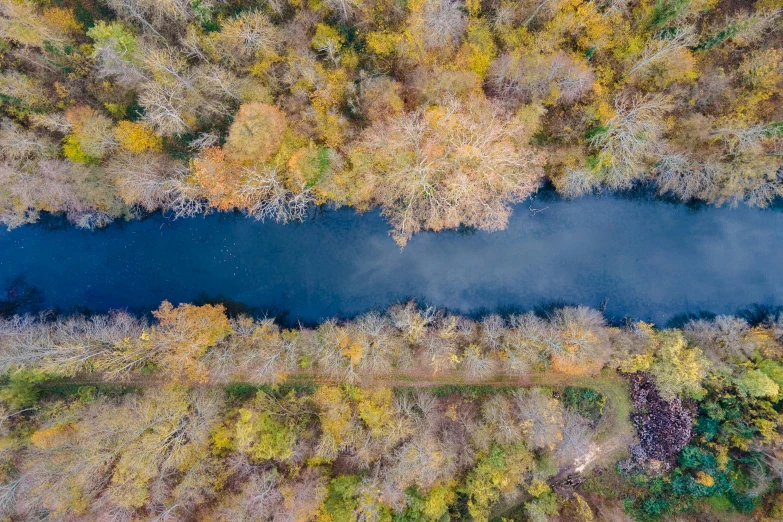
x=19, y=297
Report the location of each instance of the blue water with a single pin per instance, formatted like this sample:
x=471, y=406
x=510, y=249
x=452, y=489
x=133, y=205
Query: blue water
x=640, y=258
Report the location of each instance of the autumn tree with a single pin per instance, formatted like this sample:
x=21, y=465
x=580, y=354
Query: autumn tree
x=182, y=337
x=451, y=165
x=29, y=26
x=268, y=429
x=133, y=453
x=678, y=368
x=114, y=51
x=498, y=471
x=542, y=417
x=256, y=133
x=247, y=34
x=91, y=135
x=217, y=178
x=577, y=344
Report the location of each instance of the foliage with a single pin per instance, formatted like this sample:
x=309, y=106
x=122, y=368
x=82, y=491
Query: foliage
x=137, y=137
x=677, y=367
x=184, y=334
x=497, y=472
x=23, y=390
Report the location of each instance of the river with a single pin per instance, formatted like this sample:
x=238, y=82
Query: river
x=638, y=257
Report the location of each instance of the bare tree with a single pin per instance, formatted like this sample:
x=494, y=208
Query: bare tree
x=246, y=34
x=541, y=416
x=345, y=9
x=575, y=343
x=204, y=140
x=180, y=93
x=155, y=15
x=267, y=197
x=444, y=22
x=497, y=412
x=680, y=174
x=539, y=9
x=525, y=341
x=574, y=183
x=476, y=363
x=165, y=107
x=631, y=140
x=379, y=346
x=576, y=446
x=303, y=497
x=535, y=76
x=659, y=49
x=746, y=139
x=411, y=320
x=188, y=199
x=143, y=179
x=116, y=61
x=259, y=499
x=492, y=331
x=21, y=146
x=725, y=336
x=71, y=344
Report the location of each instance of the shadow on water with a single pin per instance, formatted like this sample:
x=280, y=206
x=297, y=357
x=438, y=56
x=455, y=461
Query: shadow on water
x=20, y=298
x=235, y=309
x=755, y=314
x=544, y=310
x=546, y=193
x=776, y=205
x=52, y=222
x=59, y=222
x=680, y=320
x=640, y=192
x=466, y=230
x=313, y=214
x=648, y=192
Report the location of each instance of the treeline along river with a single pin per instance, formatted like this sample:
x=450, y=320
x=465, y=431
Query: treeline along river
x=637, y=257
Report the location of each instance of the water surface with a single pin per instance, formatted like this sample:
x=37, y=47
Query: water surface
x=640, y=258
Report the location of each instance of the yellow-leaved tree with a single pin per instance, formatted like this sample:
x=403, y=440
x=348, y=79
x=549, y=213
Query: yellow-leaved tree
x=677, y=367
x=183, y=336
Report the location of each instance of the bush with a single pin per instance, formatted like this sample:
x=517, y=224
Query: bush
x=584, y=401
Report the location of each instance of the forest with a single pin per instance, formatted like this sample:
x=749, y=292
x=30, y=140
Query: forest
x=439, y=112
x=415, y=414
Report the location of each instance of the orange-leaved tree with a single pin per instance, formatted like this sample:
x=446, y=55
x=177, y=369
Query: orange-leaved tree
x=256, y=133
